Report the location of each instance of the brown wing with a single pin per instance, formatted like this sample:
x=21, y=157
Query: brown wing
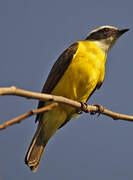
x=57, y=71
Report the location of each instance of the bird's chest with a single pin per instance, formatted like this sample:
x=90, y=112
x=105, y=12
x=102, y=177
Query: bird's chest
x=80, y=78
x=85, y=73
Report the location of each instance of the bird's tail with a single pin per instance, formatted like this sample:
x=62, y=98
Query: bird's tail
x=33, y=156
x=46, y=129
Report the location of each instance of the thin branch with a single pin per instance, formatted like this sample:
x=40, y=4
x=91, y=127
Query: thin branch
x=40, y=96
x=59, y=99
x=26, y=115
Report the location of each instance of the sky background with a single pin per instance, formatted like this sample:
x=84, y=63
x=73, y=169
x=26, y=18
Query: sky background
x=33, y=33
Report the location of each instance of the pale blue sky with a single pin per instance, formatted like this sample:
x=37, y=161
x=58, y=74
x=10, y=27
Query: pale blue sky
x=32, y=36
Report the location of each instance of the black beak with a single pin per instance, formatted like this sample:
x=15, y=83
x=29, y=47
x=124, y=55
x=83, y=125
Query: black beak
x=122, y=31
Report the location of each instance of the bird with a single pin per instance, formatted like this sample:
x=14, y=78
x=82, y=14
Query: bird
x=76, y=74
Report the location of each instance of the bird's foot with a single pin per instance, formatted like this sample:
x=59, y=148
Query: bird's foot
x=84, y=107
x=99, y=110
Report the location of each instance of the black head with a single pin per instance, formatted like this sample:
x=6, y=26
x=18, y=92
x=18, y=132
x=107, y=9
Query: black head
x=105, y=32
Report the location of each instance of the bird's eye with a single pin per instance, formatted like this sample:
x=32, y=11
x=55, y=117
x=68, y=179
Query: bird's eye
x=106, y=29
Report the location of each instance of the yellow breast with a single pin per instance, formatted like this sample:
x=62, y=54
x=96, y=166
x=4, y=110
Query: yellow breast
x=84, y=73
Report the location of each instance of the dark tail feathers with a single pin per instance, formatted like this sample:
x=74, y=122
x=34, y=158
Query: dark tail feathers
x=33, y=156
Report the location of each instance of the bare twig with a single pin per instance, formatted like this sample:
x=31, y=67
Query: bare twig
x=26, y=115
x=59, y=99
x=41, y=96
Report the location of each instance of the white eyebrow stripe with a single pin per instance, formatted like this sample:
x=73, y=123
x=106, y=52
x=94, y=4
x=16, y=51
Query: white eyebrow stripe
x=102, y=27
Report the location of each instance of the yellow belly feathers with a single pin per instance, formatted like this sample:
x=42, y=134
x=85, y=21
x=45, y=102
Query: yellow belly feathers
x=84, y=73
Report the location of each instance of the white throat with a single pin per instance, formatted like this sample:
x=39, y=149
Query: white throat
x=106, y=44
